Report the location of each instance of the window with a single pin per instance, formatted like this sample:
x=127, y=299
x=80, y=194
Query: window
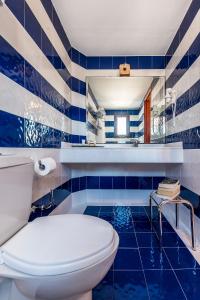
x=121, y=126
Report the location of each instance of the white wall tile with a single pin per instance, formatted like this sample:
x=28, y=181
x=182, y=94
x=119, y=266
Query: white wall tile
x=18, y=101
x=17, y=36
x=184, y=121
x=46, y=24
x=185, y=44
x=78, y=100
x=78, y=128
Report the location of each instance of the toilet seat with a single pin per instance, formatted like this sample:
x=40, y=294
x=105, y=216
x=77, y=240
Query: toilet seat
x=59, y=244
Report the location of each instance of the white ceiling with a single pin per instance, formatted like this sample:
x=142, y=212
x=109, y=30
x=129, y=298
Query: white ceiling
x=120, y=92
x=121, y=27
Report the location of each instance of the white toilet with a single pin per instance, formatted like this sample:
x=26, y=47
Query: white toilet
x=57, y=257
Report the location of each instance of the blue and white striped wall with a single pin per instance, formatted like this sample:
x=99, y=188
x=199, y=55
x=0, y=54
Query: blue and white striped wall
x=135, y=124
x=183, y=75
x=42, y=84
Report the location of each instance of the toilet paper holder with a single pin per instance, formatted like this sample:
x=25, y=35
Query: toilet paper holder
x=41, y=165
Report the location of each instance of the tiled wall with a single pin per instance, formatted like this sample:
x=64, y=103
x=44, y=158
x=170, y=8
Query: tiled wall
x=135, y=124
x=183, y=75
x=42, y=85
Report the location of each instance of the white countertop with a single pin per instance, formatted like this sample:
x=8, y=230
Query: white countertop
x=143, y=154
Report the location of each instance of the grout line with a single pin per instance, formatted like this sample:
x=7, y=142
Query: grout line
x=175, y=274
x=142, y=265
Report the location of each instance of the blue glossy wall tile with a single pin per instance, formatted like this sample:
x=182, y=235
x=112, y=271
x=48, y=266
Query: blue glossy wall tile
x=32, y=26
x=145, y=183
x=33, y=81
x=156, y=181
x=106, y=62
x=109, y=123
x=120, y=112
x=11, y=62
x=190, y=14
x=92, y=182
x=189, y=138
x=132, y=182
x=13, y=126
x=83, y=183
x=118, y=60
x=133, y=61
x=158, y=62
x=75, y=56
x=110, y=135
x=18, y=9
x=187, y=60
x=145, y=62
x=82, y=88
x=93, y=62
x=106, y=182
x=119, y=182
x=75, y=184
x=192, y=197
x=83, y=60
x=60, y=30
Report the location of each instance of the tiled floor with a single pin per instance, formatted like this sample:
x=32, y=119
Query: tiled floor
x=142, y=269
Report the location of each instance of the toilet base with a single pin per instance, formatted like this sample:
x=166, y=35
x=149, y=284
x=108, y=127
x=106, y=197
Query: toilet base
x=85, y=296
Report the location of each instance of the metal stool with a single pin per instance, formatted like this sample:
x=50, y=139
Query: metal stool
x=178, y=200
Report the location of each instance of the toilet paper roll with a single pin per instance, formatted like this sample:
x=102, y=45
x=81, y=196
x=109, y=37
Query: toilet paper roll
x=44, y=166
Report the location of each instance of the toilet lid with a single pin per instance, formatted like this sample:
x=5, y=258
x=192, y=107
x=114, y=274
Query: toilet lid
x=58, y=244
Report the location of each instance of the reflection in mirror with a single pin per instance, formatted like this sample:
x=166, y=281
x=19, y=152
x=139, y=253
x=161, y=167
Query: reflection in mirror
x=125, y=110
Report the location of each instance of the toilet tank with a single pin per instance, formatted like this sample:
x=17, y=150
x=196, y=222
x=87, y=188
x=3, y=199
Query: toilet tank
x=16, y=178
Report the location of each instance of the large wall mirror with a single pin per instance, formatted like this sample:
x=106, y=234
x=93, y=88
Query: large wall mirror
x=125, y=109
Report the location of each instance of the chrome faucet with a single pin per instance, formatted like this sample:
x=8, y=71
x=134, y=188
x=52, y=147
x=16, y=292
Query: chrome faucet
x=135, y=142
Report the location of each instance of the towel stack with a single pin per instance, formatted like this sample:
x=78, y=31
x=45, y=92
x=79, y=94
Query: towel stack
x=169, y=188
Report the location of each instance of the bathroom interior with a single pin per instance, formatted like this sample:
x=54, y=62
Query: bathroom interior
x=99, y=107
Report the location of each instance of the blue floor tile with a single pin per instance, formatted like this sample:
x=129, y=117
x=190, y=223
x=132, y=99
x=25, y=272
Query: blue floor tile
x=127, y=259
x=166, y=227
x=171, y=240
x=181, y=258
x=147, y=239
x=129, y=286
x=122, y=211
x=127, y=240
x=138, y=241
x=104, y=290
x=107, y=209
x=123, y=221
x=142, y=227
x=189, y=280
x=163, y=285
x=123, y=227
x=137, y=209
x=93, y=210
x=141, y=217
x=154, y=258
x=109, y=217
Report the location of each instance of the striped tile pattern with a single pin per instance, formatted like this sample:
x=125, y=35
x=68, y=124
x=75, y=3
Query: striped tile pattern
x=183, y=75
x=135, y=124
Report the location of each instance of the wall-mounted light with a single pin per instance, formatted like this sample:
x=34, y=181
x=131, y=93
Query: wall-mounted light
x=124, y=69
